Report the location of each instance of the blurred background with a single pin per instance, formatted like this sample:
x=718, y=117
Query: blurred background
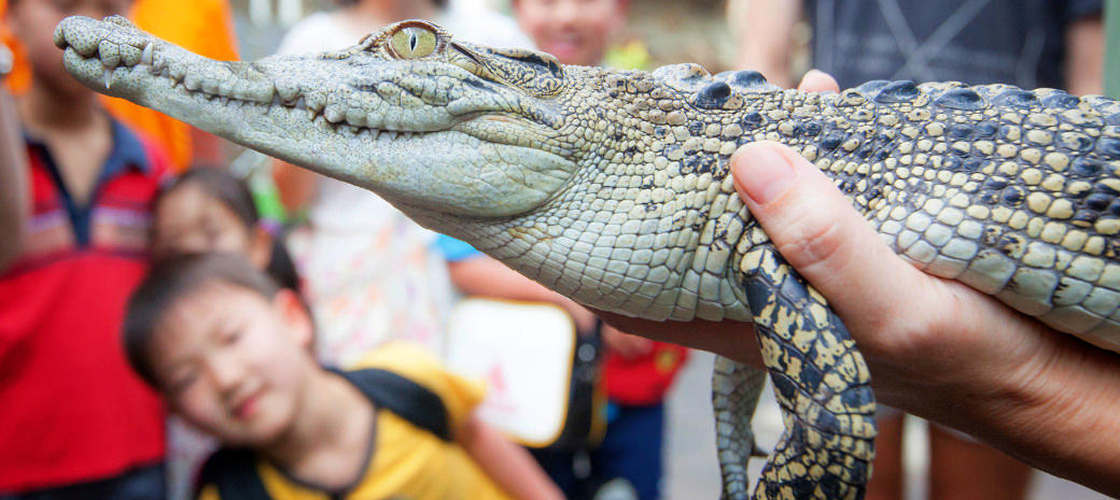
x=655, y=33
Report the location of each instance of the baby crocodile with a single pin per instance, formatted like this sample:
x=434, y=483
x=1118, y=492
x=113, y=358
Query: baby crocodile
x=612, y=187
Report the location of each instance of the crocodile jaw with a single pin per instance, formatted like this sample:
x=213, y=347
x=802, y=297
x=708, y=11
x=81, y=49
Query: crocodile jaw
x=444, y=159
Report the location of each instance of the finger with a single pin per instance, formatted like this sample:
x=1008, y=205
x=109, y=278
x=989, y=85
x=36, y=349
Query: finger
x=818, y=81
x=818, y=231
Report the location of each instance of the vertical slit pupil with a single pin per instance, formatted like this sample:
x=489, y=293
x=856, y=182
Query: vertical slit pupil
x=412, y=40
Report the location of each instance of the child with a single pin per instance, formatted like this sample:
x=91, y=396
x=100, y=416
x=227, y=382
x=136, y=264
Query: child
x=208, y=209
x=230, y=352
x=75, y=421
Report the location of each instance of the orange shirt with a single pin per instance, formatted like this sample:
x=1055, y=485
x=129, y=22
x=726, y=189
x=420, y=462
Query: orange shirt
x=204, y=27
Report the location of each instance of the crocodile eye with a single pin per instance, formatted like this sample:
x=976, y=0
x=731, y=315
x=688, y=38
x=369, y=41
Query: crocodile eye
x=413, y=42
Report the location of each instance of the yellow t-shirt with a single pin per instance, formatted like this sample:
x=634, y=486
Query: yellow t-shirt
x=408, y=462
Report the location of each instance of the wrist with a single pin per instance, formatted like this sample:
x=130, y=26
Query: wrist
x=1065, y=388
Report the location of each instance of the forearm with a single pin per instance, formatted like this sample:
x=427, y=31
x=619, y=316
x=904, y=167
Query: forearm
x=765, y=36
x=508, y=465
x=297, y=186
x=1085, y=42
x=14, y=190
x=485, y=276
x=1059, y=413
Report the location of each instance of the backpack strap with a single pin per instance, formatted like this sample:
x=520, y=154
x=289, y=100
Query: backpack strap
x=409, y=400
x=234, y=472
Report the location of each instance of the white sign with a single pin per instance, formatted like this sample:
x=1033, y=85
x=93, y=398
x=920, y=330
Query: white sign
x=524, y=353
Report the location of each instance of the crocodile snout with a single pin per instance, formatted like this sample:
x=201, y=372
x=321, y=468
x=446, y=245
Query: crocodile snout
x=113, y=40
x=94, y=49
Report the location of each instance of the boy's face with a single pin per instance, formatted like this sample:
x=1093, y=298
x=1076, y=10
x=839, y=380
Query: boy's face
x=575, y=31
x=33, y=23
x=234, y=363
x=188, y=220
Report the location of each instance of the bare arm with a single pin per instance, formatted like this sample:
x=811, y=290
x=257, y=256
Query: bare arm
x=508, y=465
x=484, y=276
x=14, y=190
x=765, y=36
x=297, y=186
x=1085, y=56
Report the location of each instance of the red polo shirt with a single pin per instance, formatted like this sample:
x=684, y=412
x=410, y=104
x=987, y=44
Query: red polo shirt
x=71, y=410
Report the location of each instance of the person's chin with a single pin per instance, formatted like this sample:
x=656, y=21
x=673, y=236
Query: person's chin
x=567, y=53
x=261, y=417
x=260, y=432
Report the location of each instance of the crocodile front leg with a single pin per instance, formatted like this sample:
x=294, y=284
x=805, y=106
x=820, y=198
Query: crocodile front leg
x=821, y=383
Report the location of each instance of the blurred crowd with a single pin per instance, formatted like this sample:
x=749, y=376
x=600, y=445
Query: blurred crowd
x=170, y=328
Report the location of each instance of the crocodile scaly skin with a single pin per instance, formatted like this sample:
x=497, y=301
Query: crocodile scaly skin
x=612, y=188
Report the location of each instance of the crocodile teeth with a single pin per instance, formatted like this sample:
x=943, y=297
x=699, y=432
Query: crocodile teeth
x=146, y=56
x=108, y=77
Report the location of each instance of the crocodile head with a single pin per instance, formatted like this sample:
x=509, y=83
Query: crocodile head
x=419, y=118
x=574, y=176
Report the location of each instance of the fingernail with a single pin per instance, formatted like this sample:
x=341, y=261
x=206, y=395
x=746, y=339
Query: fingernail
x=761, y=172
x=814, y=73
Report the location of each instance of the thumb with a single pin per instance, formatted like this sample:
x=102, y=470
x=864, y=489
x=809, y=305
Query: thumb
x=818, y=232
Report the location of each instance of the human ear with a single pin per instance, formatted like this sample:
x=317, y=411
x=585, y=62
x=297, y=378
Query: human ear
x=295, y=317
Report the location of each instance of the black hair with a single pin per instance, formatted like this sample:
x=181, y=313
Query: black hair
x=232, y=192
x=173, y=278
